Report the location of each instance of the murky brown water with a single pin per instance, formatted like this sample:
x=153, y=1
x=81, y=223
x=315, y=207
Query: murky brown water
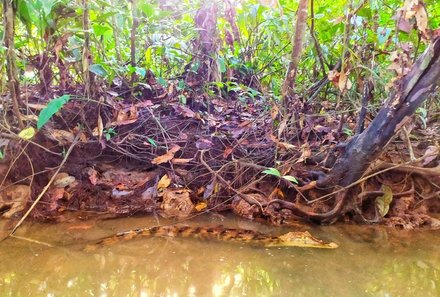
x=369, y=262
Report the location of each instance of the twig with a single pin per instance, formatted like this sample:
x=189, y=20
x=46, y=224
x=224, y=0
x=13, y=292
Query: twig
x=11, y=165
x=226, y=184
x=286, y=204
x=47, y=185
x=388, y=168
x=31, y=240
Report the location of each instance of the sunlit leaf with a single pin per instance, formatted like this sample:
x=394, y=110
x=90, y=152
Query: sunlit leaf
x=290, y=178
x=201, y=206
x=141, y=71
x=100, y=126
x=272, y=171
x=99, y=29
x=365, y=12
x=52, y=107
x=164, y=182
x=27, y=133
x=147, y=8
x=383, y=202
x=168, y=156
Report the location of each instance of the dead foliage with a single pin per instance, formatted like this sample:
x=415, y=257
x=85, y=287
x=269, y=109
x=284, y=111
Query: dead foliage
x=150, y=153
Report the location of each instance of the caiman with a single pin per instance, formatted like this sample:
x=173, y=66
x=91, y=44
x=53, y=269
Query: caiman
x=220, y=233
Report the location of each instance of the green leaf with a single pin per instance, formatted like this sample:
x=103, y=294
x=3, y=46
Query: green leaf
x=182, y=99
x=383, y=202
x=100, y=29
x=290, y=178
x=27, y=133
x=181, y=85
x=365, y=12
x=152, y=142
x=195, y=66
x=272, y=171
x=162, y=81
x=48, y=5
x=98, y=69
x=141, y=72
x=222, y=65
x=52, y=107
x=147, y=9
x=25, y=13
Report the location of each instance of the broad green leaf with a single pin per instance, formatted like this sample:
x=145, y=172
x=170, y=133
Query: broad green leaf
x=141, y=71
x=181, y=85
x=147, y=9
x=52, y=107
x=383, y=202
x=99, y=29
x=98, y=69
x=222, y=64
x=162, y=82
x=195, y=66
x=365, y=12
x=182, y=99
x=148, y=57
x=48, y=5
x=290, y=178
x=272, y=171
x=25, y=13
x=27, y=133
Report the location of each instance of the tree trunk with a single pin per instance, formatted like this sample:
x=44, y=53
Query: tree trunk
x=9, y=12
x=412, y=90
x=87, y=56
x=289, y=81
x=134, y=27
x=206, y=46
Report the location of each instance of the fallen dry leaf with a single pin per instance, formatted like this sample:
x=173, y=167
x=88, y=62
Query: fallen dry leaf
x=93, y=176
x=14, y=198
x=344, y=82
x=168, y=156
x=431, y=153
x=178, y=161
x=203, y=144
x=176, y=203
x=126, y=116
x=63, y=180
x=306, y=152
x=201, y=206
x=99, y=127
x=228, y=150
x=164, y=182
x=280, y=144
x=185, y=111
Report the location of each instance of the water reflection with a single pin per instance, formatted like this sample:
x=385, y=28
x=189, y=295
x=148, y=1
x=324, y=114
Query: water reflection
x=370, y=262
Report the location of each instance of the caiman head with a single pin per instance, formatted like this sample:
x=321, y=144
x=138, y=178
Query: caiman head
x=302, y=239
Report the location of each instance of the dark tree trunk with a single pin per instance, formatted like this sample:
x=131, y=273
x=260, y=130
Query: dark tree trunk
x=410, y=92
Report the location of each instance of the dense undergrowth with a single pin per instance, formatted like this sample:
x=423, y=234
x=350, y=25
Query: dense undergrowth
x=177, y=107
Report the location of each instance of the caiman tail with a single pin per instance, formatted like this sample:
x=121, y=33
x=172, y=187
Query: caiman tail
x=291, y=239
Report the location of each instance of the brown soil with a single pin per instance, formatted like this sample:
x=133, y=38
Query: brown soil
x=155, y=155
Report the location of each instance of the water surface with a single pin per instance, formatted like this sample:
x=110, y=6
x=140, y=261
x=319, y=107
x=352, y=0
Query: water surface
x=371, y=261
